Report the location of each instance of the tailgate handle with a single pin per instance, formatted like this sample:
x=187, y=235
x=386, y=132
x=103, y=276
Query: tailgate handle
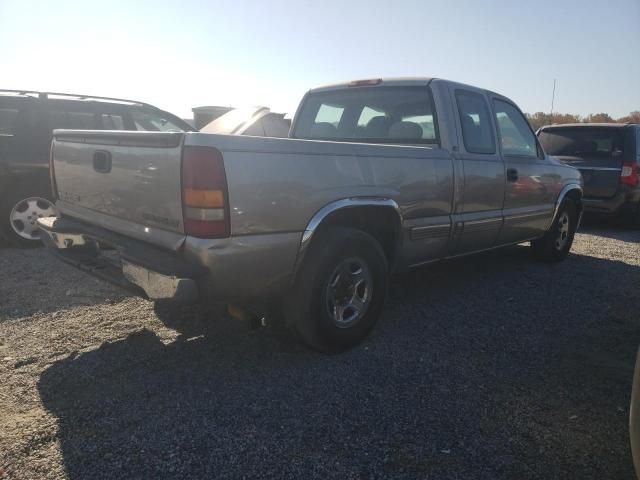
x=102, y=161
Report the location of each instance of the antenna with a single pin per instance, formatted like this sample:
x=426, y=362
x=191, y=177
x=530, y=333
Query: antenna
x=553, y=97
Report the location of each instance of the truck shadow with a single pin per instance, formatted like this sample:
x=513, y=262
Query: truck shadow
x=33, y=280
x=494, y=365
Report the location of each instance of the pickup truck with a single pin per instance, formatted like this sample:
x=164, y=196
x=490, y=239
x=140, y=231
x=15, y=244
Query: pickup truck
x=378, y=176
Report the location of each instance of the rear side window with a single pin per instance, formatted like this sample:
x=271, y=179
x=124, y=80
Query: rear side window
x=638, y=144
x=109, y=121
x=516, y=136
x=70, y=119
x=152, y=121
x=477, y=132
x=8, y=121
x=369, y=114
x=582, y=141
x=18, y=118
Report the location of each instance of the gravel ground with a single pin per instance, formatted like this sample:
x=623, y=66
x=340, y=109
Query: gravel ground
x=487, y=367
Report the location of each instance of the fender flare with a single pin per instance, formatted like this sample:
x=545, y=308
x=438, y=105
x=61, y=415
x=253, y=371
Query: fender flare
x=342, y=204
x=563, y=193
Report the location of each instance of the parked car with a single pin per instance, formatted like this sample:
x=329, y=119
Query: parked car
x=608, y=156
x=27, y=120
x=254, y=121
x=379, y=176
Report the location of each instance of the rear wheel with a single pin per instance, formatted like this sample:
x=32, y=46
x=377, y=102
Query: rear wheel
x=340, y=290
x=556, y=243
x=19, y=215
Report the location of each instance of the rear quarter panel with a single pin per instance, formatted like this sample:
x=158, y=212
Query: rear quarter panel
x=277, y=185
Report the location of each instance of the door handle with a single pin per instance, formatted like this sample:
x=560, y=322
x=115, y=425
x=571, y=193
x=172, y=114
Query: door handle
x=102, y=161
x=512, y=175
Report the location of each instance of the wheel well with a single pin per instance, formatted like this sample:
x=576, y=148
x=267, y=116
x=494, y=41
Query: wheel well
x=576, y=196
x=382, y=223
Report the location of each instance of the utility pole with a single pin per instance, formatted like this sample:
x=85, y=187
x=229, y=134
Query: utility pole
x=553, y=97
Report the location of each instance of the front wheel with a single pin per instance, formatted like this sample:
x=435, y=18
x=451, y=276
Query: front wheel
x=556, y=243
x=340, y=290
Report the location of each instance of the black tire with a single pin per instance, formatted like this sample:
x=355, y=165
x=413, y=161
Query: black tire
x=12, y=200
x=556, y=244
x=333, y=258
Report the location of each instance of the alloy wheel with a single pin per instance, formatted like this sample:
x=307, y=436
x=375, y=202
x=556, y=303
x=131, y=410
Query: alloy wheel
x=25, y=213
x=349, y=292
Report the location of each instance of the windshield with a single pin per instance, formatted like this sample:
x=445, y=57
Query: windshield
x=580, y=142
x=369, y=114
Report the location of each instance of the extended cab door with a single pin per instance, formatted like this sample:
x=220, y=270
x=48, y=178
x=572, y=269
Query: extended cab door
x=478, y=217
x=532, y=182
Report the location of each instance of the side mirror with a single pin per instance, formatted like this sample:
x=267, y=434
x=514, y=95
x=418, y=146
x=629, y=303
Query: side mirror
x=616, y=153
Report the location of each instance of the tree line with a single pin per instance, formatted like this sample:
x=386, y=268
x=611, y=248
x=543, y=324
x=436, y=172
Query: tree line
x=539, y=119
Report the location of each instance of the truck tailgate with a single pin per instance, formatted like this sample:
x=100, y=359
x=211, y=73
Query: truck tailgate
x=131, y=177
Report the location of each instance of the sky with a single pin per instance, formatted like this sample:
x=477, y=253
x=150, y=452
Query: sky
x=181, y=54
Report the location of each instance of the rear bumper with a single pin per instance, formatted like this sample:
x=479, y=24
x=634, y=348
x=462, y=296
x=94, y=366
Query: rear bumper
x=131, y=264
x=625, y=201
x=242, y=268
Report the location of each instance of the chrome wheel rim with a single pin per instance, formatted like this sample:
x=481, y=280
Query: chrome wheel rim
x=563, y=231
x=349, y=292
x=26, y=212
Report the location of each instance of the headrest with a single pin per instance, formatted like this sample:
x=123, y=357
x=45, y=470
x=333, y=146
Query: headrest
x=405, y=130
x=468, y=123
x=378, y=127
x=589, y=146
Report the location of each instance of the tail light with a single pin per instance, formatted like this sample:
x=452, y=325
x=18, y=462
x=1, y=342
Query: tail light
x=205, y=207
x=52, y=175
x=629, y=174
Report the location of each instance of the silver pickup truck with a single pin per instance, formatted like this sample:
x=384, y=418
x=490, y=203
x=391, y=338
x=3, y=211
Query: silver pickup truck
x=379, y=176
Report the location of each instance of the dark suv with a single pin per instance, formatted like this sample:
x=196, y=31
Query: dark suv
x=27, y=120
x=608, y=156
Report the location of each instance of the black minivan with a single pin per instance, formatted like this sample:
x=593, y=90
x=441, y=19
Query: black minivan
x=27, y=120
x=608, y=156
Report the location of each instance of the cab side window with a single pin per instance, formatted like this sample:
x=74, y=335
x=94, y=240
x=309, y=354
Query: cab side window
x=515, y=134
x=475, y=120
